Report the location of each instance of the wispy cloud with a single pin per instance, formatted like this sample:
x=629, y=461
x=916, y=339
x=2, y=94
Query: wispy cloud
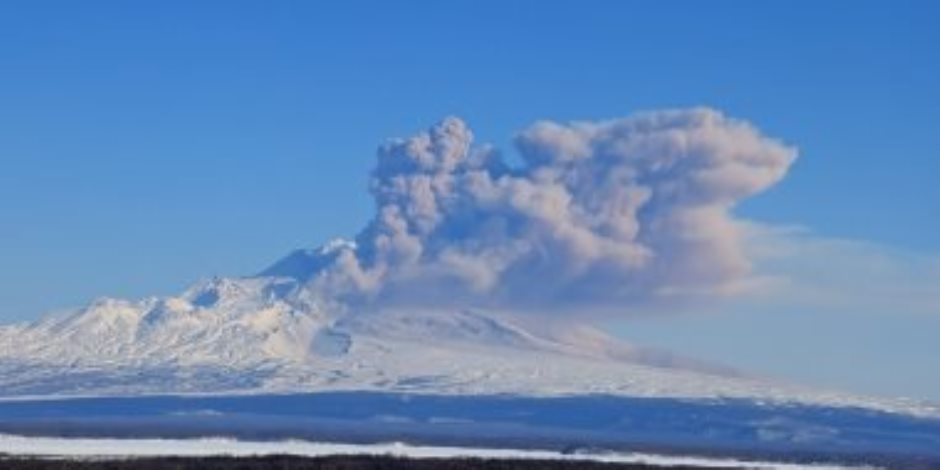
x=802, y=268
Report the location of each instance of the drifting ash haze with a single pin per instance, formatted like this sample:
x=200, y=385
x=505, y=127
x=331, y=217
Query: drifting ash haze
x=471, y=278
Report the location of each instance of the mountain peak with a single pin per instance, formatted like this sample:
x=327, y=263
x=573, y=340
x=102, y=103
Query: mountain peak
x=270, y=333
x=303, y=264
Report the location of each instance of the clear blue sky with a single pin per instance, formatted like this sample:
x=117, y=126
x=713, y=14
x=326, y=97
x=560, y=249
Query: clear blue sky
x=145, y=145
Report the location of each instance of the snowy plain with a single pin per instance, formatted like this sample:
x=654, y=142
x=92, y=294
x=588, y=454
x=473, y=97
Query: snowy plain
x=134, y=448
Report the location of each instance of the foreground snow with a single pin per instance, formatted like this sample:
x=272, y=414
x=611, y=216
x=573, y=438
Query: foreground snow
x=263, y=354
x=125, y=448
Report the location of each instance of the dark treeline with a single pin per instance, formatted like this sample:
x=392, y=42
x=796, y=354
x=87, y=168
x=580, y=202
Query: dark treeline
x=318, y=463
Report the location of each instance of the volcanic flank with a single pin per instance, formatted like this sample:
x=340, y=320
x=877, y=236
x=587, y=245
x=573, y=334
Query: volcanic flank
x=473, y=277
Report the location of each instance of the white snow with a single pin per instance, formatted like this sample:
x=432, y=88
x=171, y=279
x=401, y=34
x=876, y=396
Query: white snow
x=269, y=334
x=130, y=448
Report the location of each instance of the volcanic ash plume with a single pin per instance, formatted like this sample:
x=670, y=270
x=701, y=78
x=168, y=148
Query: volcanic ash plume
x=608, y=214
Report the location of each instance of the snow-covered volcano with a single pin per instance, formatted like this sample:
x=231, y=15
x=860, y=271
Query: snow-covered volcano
x=616, y=212
x=269, y=333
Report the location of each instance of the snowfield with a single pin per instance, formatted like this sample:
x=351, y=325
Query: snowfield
x=131, y=448
x=266, y=356
x=268, y=334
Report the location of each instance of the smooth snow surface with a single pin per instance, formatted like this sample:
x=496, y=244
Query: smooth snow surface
x=128, y=448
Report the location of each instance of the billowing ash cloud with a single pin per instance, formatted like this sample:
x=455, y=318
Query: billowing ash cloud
x=604, y=214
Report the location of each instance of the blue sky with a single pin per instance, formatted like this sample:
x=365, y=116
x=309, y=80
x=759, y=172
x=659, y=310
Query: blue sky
x=145, y=146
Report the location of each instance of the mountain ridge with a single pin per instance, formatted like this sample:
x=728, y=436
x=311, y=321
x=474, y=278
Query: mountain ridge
x=269, y=333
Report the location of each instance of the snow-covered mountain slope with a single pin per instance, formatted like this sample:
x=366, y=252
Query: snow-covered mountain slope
x=268, y=333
